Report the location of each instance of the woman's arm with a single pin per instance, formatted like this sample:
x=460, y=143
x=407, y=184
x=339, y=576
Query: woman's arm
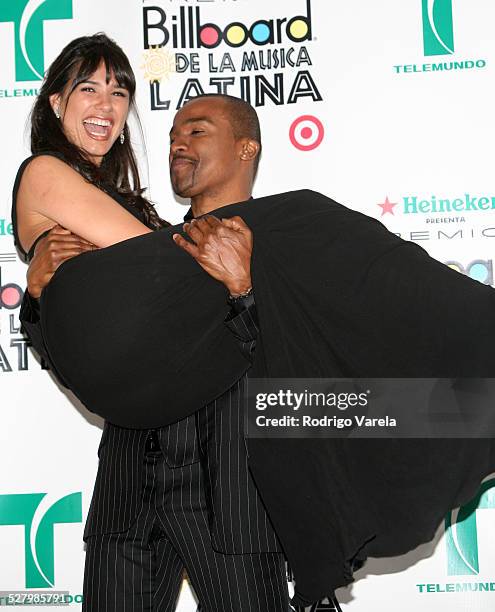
x=52, y=192
x=57, y=246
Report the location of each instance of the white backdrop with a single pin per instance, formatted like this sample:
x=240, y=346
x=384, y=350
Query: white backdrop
x=391, y=109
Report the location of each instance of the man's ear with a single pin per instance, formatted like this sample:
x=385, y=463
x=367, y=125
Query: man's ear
x=249, y=149
x=55, y=101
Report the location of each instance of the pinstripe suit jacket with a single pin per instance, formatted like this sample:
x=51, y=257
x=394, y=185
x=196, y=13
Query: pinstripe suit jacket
x=213, y=436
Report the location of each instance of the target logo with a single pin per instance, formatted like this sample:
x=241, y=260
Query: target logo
x=306, y=133
x=10, y=295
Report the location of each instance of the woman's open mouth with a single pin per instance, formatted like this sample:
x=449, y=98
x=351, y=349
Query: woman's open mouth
x=99, y=129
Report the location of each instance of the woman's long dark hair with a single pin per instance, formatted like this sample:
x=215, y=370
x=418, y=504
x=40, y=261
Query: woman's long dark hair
x=118, y=170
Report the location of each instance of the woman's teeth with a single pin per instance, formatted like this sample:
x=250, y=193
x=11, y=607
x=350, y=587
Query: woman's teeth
x=97, y=127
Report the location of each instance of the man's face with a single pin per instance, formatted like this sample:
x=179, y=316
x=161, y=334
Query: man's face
x=204, y=155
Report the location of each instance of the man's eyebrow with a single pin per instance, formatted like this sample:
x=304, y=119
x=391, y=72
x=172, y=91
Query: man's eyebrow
x=195, y=120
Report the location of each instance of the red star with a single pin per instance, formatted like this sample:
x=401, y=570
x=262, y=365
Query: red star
x=387, y=207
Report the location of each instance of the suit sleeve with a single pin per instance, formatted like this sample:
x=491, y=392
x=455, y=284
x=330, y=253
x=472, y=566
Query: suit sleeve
x=242, y=321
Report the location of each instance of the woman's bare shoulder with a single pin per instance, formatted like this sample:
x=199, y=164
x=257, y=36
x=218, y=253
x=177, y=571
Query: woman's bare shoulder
x=53, y=192
x=44, y=170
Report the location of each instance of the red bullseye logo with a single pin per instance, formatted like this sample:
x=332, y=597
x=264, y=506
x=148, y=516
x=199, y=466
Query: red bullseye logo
x=306, y=133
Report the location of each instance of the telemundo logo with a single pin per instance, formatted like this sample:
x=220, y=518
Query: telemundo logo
x=438, y=28
x=461, y=534
x=438, y=40
x=28, y=17
x=26, y=509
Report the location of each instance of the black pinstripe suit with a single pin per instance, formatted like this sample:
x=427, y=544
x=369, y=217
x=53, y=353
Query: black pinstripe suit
x=191, y=502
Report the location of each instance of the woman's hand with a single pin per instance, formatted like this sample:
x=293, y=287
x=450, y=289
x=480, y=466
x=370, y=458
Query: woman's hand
x=57, y=246
x=222, y=248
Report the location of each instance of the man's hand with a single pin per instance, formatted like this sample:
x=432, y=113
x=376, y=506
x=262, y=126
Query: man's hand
x=222, y=248
x=52, y=250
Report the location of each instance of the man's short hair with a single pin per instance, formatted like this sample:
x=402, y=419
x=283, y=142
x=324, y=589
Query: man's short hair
x=243, y=119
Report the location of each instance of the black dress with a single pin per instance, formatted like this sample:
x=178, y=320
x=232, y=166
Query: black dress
x=323, y=276
x=94, y=371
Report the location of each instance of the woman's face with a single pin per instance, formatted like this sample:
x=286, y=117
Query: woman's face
x=94, y=114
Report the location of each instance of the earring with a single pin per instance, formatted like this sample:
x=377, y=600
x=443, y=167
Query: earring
x=122, y=137
x=57, y=113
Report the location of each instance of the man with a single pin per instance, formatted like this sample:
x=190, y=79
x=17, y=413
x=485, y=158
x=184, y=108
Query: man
x=182, y=496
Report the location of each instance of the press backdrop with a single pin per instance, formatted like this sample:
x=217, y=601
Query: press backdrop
x=385, y=106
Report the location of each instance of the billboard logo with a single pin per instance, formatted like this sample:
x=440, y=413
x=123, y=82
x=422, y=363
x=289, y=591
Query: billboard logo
x=461, y=533
x=188, y=31
x=438, y=27
x=26, y=509
x=28, y=17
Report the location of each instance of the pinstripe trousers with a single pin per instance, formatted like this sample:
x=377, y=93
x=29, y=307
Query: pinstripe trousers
x=141, y=569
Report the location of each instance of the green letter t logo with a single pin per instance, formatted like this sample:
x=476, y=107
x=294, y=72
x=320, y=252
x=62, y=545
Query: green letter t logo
x=20, y=509
x=438, y=28
x=28, y=17
x=461, y=534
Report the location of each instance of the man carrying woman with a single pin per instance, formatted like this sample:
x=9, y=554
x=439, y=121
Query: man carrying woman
x=322, y=275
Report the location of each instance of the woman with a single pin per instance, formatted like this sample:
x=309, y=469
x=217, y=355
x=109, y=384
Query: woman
x=83, y=176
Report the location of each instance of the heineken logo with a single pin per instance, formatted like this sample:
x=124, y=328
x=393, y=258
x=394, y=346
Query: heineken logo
x=418, y=205
x=28, y=17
